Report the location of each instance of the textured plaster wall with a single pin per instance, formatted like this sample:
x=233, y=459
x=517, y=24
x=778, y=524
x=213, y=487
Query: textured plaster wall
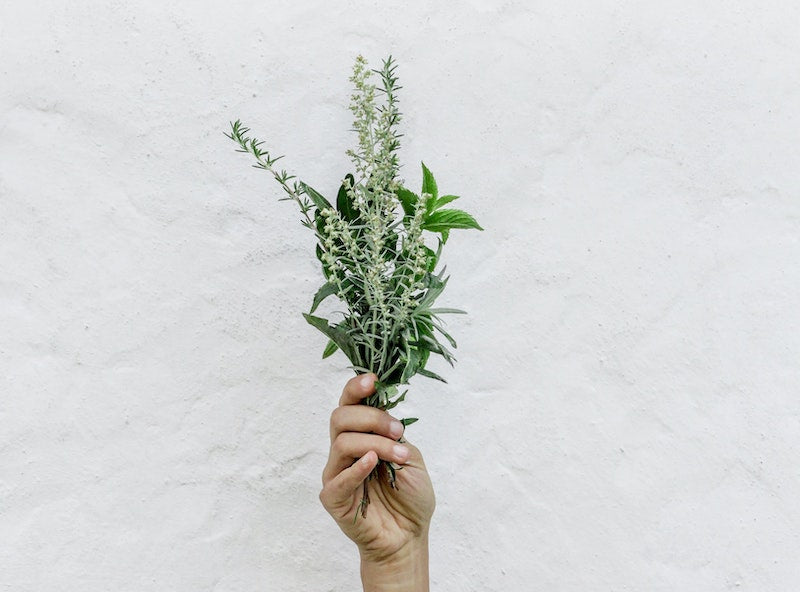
x=625, y=413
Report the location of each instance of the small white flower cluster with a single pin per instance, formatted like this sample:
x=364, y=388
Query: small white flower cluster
x=416, y=262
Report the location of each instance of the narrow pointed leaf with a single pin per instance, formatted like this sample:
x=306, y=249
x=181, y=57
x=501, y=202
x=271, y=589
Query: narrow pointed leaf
x=330, y=349
x=430, y=374
x=435, y=311
x=315, y=196
x=327, y=289
x=336, y=334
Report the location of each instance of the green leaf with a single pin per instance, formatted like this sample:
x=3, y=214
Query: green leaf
x=435, y=287
x=336, y=334
x=445, y=199
x=408, y=199
x=407, y=421
x=436, y=311
x=429, y=183
x=394, y=403
x=319, y=222
x=426, y=354
x=446, y=335
x=325, y=268
x=413, y=363
x=430, y=374
x=431, y=257
x=445, y=220
x=327, y=289
x=330, y=349
x=344, y=203
x=315, y=196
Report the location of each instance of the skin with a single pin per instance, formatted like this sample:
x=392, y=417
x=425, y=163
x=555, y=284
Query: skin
x=393, y=538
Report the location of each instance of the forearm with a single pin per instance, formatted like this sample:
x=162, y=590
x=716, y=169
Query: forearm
x=405, y=571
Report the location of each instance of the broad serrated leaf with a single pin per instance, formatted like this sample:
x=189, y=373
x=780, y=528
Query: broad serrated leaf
x=445, y=220
x=315, y=196
x=408, y=200
x=445, y=199
x=429, y=183
x=327, y=289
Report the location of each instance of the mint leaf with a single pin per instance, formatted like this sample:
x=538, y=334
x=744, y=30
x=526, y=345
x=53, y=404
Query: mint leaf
x=445, y=199
x=445, y=220
x=408, y=199
x=429, y=183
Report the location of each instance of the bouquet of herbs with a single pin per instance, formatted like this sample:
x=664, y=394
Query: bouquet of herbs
x=371, y=243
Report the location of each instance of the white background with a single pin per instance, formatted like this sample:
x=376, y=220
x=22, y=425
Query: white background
x=624, y=414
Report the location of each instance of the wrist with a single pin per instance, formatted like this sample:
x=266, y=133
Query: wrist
x=404, y=571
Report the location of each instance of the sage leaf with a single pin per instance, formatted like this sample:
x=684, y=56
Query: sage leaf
x=430, y=374
x=330, y=349
x=336, y=334
x=315, y=196
x=326, y=290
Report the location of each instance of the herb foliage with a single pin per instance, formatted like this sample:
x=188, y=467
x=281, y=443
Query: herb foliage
x=371, y=244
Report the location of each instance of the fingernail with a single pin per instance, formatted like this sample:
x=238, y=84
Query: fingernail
x=400, y=452
x=366, y=459
x=396, y=429
x=366, y=381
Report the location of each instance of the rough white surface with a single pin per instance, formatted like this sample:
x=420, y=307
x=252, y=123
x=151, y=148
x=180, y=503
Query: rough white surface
x=625, y=414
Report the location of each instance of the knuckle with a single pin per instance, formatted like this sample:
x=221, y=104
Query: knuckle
x=336, y=419
x=339, y=445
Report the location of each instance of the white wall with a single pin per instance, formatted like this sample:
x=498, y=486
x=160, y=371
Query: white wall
x=625, y=412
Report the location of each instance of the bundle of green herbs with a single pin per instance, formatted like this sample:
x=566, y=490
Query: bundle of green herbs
x=371, y=244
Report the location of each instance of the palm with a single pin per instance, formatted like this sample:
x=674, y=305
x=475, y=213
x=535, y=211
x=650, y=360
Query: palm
x=394, y=515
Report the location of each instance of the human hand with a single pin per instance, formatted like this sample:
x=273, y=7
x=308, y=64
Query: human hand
x=392, y=538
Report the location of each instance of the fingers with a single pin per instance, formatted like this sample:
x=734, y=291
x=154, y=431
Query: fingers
x=360, y=435
x=357, y=388
x=360, y=418
x=351, y=445
x=337, y=494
